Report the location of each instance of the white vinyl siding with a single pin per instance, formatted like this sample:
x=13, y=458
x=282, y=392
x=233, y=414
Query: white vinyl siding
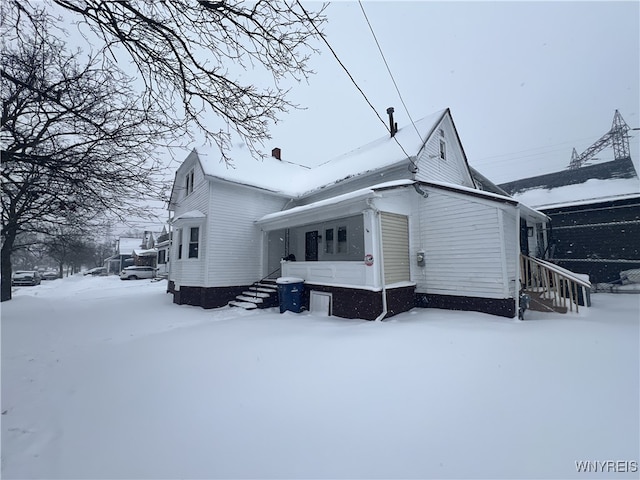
x=442, y=158
x=464, y=249
x=395, y=247
x=510, y=229
x=190, y=271
x=234, y=242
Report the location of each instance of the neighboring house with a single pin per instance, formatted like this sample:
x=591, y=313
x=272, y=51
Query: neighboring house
x=595, y=213
x=147, y=257
x=163, y=245
x=124, y=254
x=373, y=232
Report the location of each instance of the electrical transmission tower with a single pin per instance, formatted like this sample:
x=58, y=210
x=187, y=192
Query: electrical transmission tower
x=616, y=137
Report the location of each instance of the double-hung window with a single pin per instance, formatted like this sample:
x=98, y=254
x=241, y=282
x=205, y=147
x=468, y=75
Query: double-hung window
x=330, y=244
x=194, y=241
x=328, y=240
x=189, y=183
x=179, y=235
x=342, y=240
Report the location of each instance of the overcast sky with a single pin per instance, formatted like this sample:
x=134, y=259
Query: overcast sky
x=526, y=81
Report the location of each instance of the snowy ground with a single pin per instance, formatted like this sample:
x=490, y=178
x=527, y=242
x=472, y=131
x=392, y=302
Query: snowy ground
x=108, y=379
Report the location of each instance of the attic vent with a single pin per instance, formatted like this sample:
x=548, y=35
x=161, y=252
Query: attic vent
x=441, y=132
x=275, y=153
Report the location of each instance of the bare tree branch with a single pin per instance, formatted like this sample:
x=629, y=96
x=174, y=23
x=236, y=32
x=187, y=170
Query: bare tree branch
x=191, y=54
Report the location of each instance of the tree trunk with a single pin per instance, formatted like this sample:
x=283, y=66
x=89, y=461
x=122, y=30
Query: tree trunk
x=5, y=269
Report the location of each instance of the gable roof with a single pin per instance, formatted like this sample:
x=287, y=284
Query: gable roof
x=293, y=180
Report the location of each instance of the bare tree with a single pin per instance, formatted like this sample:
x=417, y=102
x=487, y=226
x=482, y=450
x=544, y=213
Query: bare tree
x=190, y=54
x=70, y=247
x=76, y=144
x=77, y=141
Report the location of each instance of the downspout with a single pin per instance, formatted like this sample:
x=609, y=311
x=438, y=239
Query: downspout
x=168, y=259
x=384, y=312
x=518, y=267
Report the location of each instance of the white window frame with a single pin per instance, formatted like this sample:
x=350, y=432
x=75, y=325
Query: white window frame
x=329, y=244
x=183, y=239
x=345, y=242
x=189, y=182
x=179, y=243
x=191, y=227
x=443, y=150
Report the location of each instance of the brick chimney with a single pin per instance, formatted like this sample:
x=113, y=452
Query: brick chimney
x=276, y=153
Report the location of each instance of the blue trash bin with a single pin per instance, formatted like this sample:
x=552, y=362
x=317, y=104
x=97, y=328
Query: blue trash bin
x=290, y=290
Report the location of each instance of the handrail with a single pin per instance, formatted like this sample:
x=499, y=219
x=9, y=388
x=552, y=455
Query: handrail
x=555, y=283
x=269, y=274
x=562, y=271
x=255, y=293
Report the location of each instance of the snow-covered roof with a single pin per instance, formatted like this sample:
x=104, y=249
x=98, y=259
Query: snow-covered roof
x=591, y=191
x=126, y=245
x=370, y=191
x=296, y=181
x=355, y=195
x=190, y=214
x=146, y=253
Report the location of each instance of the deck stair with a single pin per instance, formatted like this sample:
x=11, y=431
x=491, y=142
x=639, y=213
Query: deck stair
x=552, y=288
x=262, y=294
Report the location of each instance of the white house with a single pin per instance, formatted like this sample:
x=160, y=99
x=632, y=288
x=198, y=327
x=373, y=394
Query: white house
x=374, y=232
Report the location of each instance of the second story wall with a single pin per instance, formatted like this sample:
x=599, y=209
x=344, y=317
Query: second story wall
x=442, y=158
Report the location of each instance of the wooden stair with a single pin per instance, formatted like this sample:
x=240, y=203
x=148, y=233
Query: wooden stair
x=552, y=288
x=262, y=294
x=539, y=302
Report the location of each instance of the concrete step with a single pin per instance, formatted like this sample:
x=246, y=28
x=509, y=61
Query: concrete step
x=263, y=289
x=257, y=294
x=244, y=298
x=270, y=286
x=245, y=305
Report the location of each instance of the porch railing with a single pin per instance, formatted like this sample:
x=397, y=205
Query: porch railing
x=563, y=287
x=341, y=272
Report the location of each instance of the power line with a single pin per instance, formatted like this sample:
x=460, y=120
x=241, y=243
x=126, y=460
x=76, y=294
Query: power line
x=389, y=70
x=335, y=55
x=539, y=150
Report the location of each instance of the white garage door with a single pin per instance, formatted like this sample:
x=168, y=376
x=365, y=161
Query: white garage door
x=395, y=247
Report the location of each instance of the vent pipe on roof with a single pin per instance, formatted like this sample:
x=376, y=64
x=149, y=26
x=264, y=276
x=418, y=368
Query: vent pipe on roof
x=275, y=153
x=393, y=127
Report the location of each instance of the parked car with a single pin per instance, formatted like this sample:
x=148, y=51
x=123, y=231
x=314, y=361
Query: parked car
x=96, y=271
x=26, y=277
x=50, y=275
x=135, y=272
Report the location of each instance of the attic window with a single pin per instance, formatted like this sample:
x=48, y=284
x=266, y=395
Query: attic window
x=189, y=183
x=441, y=132
x=443, y=150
